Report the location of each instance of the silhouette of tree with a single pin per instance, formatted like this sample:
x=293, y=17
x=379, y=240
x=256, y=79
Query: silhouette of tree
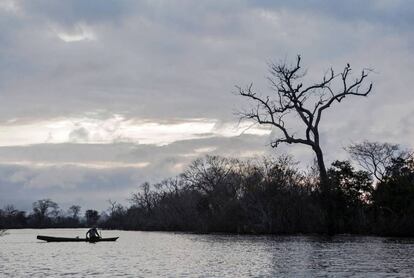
x=144, y=199
x=44, y=208
x=92, y=217
x=10, y=217
x=393, y=198
x=350, y=197
x=114, y=207
x=74, y=211
x=308, y=103
x=376, y=157
x=355, y=185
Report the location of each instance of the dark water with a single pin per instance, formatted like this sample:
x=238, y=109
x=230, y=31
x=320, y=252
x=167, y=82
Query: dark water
x=155, y=254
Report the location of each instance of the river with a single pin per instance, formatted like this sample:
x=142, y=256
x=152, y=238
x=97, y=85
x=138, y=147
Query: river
x=165, y=254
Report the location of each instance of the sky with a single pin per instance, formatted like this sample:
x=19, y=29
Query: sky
x=97, y=97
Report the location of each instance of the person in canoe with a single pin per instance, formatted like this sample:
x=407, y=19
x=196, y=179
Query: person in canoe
x=93, y=234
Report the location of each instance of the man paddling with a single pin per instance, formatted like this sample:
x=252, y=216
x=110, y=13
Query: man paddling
x=92, y=234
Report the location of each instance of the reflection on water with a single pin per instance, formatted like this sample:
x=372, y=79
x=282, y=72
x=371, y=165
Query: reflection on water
x=156, y=254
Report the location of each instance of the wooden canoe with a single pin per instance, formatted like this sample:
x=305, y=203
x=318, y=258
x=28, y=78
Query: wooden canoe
x=74, y=239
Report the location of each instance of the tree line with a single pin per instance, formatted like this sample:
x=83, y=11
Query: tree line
x=273, y=196
x=46, y=214
x=262, y=196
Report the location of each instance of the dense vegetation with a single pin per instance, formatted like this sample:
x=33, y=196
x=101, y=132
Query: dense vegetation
x=216, y=194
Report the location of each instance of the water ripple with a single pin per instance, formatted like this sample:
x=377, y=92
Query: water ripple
x=157, y=254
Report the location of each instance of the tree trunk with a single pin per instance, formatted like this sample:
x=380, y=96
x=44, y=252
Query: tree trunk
x=324, y=181
x=326, y=192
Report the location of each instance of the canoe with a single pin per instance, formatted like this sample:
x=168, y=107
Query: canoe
x=74, y=239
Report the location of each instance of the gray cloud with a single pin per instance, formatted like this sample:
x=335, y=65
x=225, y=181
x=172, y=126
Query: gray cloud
x=92, y=174
x=70, y=12
x=79, y=134
x=396, y=14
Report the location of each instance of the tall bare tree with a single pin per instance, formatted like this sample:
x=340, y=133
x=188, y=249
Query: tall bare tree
x=308, y=103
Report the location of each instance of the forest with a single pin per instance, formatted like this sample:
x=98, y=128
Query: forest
x=261, y=196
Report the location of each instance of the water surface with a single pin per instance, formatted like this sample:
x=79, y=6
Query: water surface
x=159, y=254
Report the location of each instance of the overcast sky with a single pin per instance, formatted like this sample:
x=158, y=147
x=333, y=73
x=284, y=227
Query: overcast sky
x=99, y=96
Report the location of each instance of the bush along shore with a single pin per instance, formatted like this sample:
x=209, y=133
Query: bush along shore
x=266, y=196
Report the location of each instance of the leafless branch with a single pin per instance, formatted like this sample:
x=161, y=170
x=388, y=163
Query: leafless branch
x=290, y=95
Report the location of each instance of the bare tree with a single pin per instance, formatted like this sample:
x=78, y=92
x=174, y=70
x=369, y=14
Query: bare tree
x=10, y=210
x=74, y=211
x=206, y=174
x=45, y=207
x=145, y=199
x=376, y=157
x=308, y=103
x=115, y=207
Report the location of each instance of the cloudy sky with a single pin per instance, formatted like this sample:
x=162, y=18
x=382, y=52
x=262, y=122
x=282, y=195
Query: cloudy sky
x=99, y=96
